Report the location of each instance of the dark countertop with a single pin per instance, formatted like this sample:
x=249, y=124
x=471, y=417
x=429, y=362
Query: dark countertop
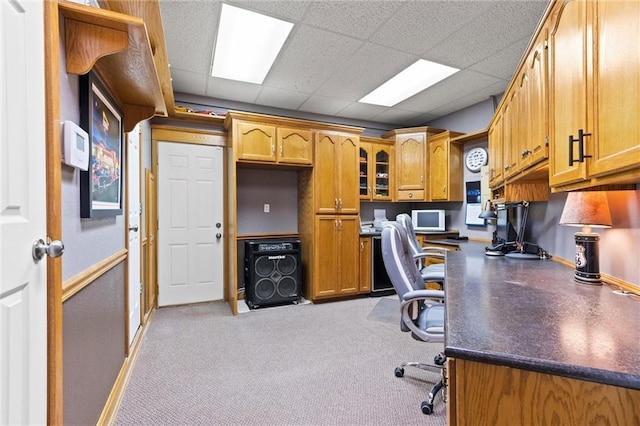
x=530, y=314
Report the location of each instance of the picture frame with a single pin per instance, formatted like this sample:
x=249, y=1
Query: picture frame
x=100, y=117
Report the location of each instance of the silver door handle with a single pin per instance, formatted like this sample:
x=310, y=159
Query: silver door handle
x=133, y=228
x=54, y=249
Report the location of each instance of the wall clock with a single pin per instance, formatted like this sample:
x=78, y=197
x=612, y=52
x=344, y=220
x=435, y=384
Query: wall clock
x=476, y=158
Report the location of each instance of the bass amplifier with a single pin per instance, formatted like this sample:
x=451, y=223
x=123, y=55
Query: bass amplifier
x=272, y=272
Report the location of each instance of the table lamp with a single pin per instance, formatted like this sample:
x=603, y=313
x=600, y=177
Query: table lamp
x=489, y=212
x=587, y=209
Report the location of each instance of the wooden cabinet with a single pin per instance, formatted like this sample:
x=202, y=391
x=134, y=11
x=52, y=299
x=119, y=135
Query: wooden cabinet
x=117, y=46
x=411, y=161
x=495, y=143
x=336, y=173
x=365, y=275
x=274, y=144
x=445, y=168
x=595, y=94
x=336, y=255
x=514, y=396
x=376, y=172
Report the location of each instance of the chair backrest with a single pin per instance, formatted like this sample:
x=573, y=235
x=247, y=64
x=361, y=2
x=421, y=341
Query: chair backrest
x=405, y=221
x=398, y=260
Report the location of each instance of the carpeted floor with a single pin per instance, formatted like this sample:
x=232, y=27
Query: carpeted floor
x=313, y=364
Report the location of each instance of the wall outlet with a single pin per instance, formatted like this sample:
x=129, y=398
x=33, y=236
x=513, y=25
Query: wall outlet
x=267, y=207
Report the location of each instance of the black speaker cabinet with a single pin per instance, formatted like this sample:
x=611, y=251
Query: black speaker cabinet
x=272, y=272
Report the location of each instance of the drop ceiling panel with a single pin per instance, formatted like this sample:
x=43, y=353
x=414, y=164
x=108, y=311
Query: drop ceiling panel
x=189, y=35
x=368, y=68
x=287, y=10
x=503, y=63
x=280, y=98
x=230, y=89
x=421, y=25
x=188, y=82
x=359, y=19
x=492, y=32
x=361, y=111
x=323, y=105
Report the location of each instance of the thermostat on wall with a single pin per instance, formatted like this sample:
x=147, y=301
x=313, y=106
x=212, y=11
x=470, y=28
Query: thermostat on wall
x=75, y=150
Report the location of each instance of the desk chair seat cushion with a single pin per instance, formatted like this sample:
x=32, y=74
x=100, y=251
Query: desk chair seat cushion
x=431, y=319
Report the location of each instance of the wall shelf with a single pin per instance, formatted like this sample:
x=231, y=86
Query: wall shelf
x=117, y=47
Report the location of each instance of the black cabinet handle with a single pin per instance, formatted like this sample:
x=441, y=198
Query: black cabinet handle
x=581, y=154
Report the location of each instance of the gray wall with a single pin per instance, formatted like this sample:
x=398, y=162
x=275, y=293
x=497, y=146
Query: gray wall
x=257, y=187
x=86, y=241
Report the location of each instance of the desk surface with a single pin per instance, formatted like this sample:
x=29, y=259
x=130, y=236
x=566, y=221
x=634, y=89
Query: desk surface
x=530, y=314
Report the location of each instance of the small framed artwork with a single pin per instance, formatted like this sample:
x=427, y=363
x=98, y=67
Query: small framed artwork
x=101, y=184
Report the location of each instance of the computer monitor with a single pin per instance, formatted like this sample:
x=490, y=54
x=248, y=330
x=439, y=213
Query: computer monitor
x=507, y=223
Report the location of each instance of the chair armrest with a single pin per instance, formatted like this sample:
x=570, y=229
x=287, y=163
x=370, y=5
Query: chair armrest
x=435, y=295
x=426, y=255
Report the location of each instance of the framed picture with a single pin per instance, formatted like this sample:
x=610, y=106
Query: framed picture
x=101, y=185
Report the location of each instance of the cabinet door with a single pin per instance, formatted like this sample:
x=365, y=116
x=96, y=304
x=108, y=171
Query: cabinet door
x=411, y=162
x=510, y=135
x=536, y=148
x=365, y=265
x=325, y=247
x=616, y=144
x=347, y=257
x=438, y=169
x=365, y=170
x=347, y=175
x=495, y=152
x=294, y=146
x=568, y=87
x=324, y=169
x=256, y=142
x=382, y=174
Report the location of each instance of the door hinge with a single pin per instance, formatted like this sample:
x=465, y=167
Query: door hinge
x=141, y=288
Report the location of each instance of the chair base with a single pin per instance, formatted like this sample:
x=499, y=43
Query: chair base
x=427, y=405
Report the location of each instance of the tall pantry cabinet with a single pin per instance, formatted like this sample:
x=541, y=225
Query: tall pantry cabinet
x=328, y=214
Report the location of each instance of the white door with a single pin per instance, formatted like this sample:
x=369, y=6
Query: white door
x=133, y=207
x=23, y=291
x=191, y=231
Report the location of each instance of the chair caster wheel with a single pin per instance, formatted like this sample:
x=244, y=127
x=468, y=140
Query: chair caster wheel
x=426, y=407
x=399, y=371
x=440, y=359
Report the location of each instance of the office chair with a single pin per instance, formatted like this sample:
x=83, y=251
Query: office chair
x=422, y=311
x=432, y=272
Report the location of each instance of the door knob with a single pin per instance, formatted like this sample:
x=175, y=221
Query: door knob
x=218, y=236
x=54, y=249
x=133, y=228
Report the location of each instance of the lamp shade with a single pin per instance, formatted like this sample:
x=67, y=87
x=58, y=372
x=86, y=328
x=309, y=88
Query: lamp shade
x=488, y=212
x=589, y=208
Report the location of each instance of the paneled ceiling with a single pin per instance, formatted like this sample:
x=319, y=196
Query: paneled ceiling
x=340, y=50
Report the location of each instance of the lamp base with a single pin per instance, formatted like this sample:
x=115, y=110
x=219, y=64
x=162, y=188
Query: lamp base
x=587, y=259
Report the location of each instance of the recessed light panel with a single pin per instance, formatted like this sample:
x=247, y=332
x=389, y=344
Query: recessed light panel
x=417, y=77
x=247, y=44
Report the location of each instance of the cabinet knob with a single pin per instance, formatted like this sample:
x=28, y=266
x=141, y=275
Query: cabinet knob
x=411, y=195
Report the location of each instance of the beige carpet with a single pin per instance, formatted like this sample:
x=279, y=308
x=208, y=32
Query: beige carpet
x=310, y=364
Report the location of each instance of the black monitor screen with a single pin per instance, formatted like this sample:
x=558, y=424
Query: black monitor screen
x=507, y=221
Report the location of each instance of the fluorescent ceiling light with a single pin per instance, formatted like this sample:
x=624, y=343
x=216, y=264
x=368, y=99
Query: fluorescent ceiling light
x=414, y=79
x=247, y=44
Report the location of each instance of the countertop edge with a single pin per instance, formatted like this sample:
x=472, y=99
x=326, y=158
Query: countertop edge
x=590, y=374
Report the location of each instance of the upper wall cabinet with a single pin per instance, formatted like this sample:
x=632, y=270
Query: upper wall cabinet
x=117, y=46
x=595, y=94
x=519, y=130
x=411, y=161
x=256, y=140
x=376, y=169
x=445, y=168
x=335, y=179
